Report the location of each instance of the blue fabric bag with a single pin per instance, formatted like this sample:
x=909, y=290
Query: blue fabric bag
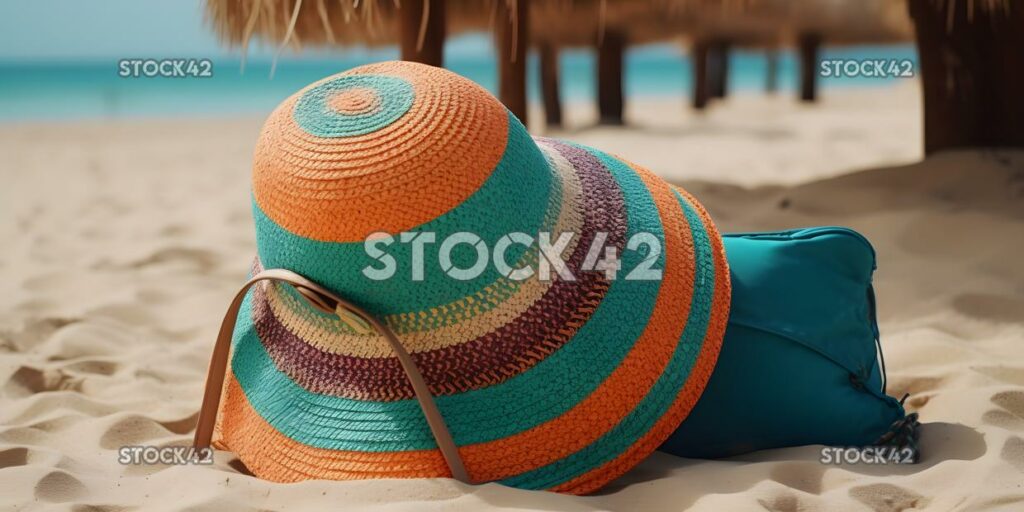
x=799, y=364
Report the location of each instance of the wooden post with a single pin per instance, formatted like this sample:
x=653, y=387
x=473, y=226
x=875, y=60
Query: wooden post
x=549, y=84
x=412, y=29
x=718, y=69
x=723, y=80
x=809, y=44
x=511, y=30
x=712, y=71
x=972, y=73
x=699, y=62
x=609, y=77
x=771, y=75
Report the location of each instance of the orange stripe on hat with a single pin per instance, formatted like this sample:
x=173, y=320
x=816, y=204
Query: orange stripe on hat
x=699, y=376
x=341, y=189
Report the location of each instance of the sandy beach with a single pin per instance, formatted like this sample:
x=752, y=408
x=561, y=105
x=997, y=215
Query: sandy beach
x=124, y=241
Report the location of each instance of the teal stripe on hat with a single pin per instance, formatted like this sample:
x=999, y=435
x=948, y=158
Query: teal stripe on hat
x=486, y=414
x=519, y=188
x=316, y=117
x=504, y=288
x=665, y=390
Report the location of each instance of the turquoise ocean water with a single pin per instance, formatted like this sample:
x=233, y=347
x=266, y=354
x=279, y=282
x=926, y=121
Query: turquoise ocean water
x=92, y=89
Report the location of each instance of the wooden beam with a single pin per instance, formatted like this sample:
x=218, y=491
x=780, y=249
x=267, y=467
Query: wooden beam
x=419, y=42
x=549, y=84
x=699, y=63
x=511, y=31
x=972, y=73
x=609, y=77
x=809, y=44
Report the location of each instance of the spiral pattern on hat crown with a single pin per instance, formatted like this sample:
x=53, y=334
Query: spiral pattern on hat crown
x=349, y=106
x=376, y=149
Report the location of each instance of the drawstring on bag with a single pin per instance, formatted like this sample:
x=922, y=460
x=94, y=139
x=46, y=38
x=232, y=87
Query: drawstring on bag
x=903, y=434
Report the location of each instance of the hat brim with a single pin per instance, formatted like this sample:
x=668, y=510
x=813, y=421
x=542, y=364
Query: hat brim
x=562, y=384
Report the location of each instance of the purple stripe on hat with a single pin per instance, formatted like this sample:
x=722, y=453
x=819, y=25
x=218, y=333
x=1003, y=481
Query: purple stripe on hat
x=489, y=359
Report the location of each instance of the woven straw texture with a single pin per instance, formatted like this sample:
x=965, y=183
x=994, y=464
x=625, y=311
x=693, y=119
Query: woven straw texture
x=545, y=384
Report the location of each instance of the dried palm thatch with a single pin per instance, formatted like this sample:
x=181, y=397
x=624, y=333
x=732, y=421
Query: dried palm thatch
x=295, y=23
x=299, y=22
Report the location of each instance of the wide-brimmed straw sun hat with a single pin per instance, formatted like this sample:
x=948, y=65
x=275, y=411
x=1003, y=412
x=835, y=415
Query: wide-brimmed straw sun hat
x=368, y=346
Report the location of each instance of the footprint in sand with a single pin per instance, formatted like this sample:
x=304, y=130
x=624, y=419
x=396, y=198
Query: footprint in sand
x=916, y=385
x=59, y=487
x=12, y=457
x=783, y=503
x=23, y=435
x=1013, y=452
x=197, y=260
x=917, y=402
x=131, y=430
x=987, y=306
x=174, y=230
x=34, y=332
x=802, y=476
x=93, y=367
x=88, y=507
x=888, y=497
x=27, y=381
x=1010, y=415
x=15, y=456
x=181, y=426
x=135, y=429
x=920, y=388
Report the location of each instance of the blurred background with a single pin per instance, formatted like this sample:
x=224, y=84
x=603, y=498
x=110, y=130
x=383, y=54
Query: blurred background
x=126, y=221
x=59, y=60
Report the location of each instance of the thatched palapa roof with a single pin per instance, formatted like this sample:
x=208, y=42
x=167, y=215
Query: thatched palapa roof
x=571, y=22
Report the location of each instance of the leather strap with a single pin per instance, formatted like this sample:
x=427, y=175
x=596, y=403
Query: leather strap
x=359, y=319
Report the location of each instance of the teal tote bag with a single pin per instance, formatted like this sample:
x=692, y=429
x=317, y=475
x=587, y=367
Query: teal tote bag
x=800, y=362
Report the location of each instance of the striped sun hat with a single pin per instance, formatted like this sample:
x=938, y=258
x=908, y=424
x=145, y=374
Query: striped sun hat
x=561, y=382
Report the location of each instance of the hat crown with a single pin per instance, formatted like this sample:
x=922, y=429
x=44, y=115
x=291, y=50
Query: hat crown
x=393, y=135
x=385, y=149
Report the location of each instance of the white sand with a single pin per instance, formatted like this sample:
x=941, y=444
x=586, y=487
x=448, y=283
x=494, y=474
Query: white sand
x=123, y=242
